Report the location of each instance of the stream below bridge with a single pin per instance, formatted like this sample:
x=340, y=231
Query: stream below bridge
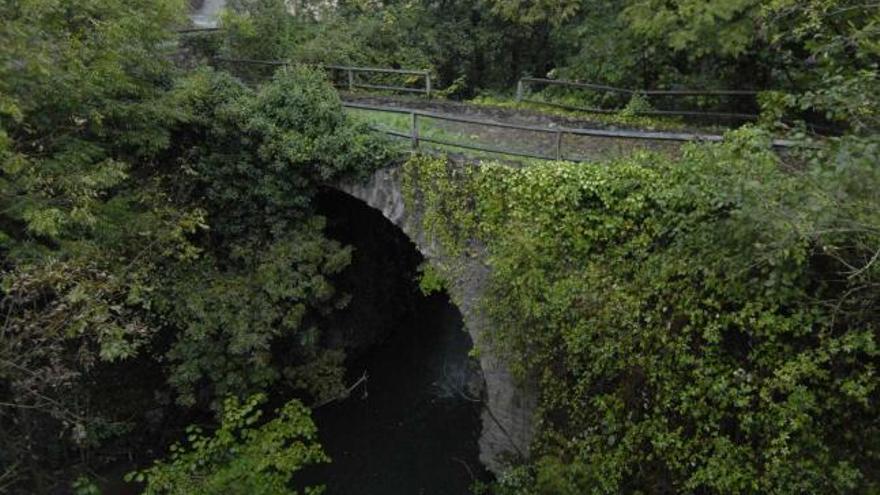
x=413, y=427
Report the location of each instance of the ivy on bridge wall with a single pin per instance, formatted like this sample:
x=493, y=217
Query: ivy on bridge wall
x=703, y=326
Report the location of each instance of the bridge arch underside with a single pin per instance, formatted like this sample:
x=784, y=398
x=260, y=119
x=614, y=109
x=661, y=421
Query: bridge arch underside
x=507, y=406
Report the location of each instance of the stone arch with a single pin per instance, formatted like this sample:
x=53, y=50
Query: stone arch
x=507, y=417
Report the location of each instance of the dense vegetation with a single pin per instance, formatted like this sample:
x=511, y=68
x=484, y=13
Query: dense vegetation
x=157, y=238
x=707, y=324
x=814, y=58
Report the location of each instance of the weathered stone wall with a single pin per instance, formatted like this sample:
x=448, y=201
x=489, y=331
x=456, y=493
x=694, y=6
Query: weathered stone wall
x=508, y=406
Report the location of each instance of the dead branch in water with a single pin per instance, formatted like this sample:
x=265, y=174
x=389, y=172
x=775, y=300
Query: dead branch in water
x=345, y=394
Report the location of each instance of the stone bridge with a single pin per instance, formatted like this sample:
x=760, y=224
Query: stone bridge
x=507, y=417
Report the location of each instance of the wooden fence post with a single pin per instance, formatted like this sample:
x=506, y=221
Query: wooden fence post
x=428, y=84
x=350, y=80
x=520, y=90
x=558, y=146
x=414, y=130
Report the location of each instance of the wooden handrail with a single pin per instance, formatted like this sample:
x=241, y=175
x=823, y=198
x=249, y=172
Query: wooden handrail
x=559, y=133
x=647, y=92
x=351, y=70
x=521, y=96
x=197, y=30
x=620, y=134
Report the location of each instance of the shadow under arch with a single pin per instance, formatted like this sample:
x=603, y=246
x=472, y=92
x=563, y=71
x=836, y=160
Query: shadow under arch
x=508, y=405
x=413, y=422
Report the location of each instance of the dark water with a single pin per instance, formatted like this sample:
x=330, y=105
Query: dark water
x=413, y=428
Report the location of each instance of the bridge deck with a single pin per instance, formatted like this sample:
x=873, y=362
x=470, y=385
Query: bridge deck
x=491, y=131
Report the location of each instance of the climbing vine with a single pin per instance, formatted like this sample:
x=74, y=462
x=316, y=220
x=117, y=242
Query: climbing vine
x=450, y=217
x=704, y=325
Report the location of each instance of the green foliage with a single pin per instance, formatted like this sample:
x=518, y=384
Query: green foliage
x=85, y=486
x=823, y=52
x=636, y=105
x=260, y=29
x=612, y=119
x=705, y=325
x=153, y=220
x=232, y=320
x=241, y=456
x=80, y=110
x=430, y=280
x=449, y=217
x=838, y=40
x=698, y=27
x=597, y=47
x=531, y=12
x=266, y=152
x=460, y=41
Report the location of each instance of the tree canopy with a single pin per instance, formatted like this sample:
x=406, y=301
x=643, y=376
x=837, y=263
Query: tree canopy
x=153, y=219
x=703, y=323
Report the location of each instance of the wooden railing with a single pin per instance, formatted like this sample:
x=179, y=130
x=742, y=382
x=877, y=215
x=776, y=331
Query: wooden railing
x=352, y=81
x=524, y=83
x=416, y=136
x=351, y=72
x=198, y=30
